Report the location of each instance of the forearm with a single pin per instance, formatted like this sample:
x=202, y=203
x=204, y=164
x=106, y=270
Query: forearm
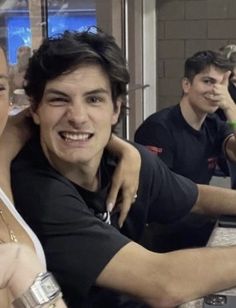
x=230, y=111
x=117, y=146
x=170, y=279
x=125, y=179
x=19, y=267
x=189, y=274
x=16, y=133
x=215, y=201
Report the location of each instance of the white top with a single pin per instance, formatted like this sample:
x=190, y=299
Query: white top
x=35, y=240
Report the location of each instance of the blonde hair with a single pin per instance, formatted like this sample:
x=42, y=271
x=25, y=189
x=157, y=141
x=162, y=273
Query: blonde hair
x=229, y=51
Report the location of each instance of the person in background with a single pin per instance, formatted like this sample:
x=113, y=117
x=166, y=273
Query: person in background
x=230, y=52
x=77, y=84
x=16, y=79
x=17, y=71
x=189, y=137
x=15, y=235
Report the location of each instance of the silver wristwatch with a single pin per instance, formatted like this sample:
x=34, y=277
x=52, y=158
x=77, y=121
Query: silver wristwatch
x=44, y=290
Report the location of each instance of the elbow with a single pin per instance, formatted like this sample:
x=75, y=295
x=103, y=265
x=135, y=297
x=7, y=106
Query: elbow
x=168, y=297
x=167, y=291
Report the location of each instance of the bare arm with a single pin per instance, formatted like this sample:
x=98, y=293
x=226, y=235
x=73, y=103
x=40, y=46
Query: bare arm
x=170, y=279
x=16, y=133
x=230, y=148
x=126, y=176
x=215, y=201
x=19, y=267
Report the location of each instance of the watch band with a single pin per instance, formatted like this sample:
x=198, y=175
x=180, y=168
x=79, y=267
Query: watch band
x=44, y=290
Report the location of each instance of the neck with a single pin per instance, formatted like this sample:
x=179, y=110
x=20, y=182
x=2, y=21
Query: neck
x=193, y=116
x=85, y=175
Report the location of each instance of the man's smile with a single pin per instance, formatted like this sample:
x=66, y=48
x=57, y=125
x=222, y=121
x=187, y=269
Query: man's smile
x=75, y=136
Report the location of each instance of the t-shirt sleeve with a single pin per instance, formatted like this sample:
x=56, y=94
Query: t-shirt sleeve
x=77, y=245
x=170, y=196
x=157, y=138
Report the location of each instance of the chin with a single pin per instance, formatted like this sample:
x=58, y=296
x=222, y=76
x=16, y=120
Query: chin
x=76, y=159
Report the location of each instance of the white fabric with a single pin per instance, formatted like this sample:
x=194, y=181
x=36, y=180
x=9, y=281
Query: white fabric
x=35, y=240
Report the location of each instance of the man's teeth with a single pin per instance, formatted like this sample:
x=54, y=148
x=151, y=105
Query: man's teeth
x=76, y=136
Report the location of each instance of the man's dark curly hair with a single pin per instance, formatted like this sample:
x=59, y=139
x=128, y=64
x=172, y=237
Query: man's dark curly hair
x=66, y=52
x=204, y=59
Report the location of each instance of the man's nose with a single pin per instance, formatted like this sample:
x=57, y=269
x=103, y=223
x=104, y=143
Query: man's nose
x=77, y=113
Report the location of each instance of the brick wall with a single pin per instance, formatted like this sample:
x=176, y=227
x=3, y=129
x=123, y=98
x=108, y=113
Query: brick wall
x=184, y=27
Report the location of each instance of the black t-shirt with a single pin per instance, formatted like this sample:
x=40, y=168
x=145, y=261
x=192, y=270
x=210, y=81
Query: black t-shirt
x=186, y=151
x=70, y=221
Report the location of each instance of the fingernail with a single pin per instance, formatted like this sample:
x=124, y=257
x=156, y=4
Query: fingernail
x=110, y=206
x=120, y=224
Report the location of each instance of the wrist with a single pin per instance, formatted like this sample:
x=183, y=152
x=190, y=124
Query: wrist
x=44, y=291
x=117, y=146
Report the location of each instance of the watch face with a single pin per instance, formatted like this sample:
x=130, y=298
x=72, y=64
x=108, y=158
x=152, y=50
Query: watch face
x=50, y=286
x=45, y=288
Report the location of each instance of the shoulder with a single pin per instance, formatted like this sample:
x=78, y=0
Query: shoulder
x=159, y=185
x=152, y=167
x=213, y=121
x=214, y=118
x=160, y=116
x=36, y=184
x=157, y=125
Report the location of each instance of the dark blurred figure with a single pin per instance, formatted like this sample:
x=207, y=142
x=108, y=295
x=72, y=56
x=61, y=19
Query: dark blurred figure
x=228, y=167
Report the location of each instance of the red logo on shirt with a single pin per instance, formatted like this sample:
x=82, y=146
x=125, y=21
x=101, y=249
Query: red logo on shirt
x=153, y=149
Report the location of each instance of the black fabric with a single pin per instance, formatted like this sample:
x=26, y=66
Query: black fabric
x=185, y=150
x=191, y=153
x=232, y=91
x=228, y=168
x=66, y=218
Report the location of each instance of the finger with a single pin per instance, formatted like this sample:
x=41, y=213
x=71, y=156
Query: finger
x=214, y=97
x=125, y=207
x=225, y=80
x=112, y=196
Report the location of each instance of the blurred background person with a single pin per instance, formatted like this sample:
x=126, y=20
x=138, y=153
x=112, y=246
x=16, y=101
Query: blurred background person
x=230, y=52
x=190, y=138
x=16, y=74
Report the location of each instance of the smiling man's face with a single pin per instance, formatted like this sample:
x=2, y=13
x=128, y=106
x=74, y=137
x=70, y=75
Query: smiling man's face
x=76, y=115
x=198, y=90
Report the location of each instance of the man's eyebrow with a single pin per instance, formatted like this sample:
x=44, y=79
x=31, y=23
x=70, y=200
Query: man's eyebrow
x=210, y=78
x=54, y=91
x=94, y=91
x=97, y=91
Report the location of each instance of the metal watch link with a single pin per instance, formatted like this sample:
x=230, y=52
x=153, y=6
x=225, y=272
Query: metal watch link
x=44, y=290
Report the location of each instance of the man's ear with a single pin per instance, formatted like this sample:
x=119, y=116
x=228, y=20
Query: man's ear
x=116, y=112
x=186, y=84
x=35, y=116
